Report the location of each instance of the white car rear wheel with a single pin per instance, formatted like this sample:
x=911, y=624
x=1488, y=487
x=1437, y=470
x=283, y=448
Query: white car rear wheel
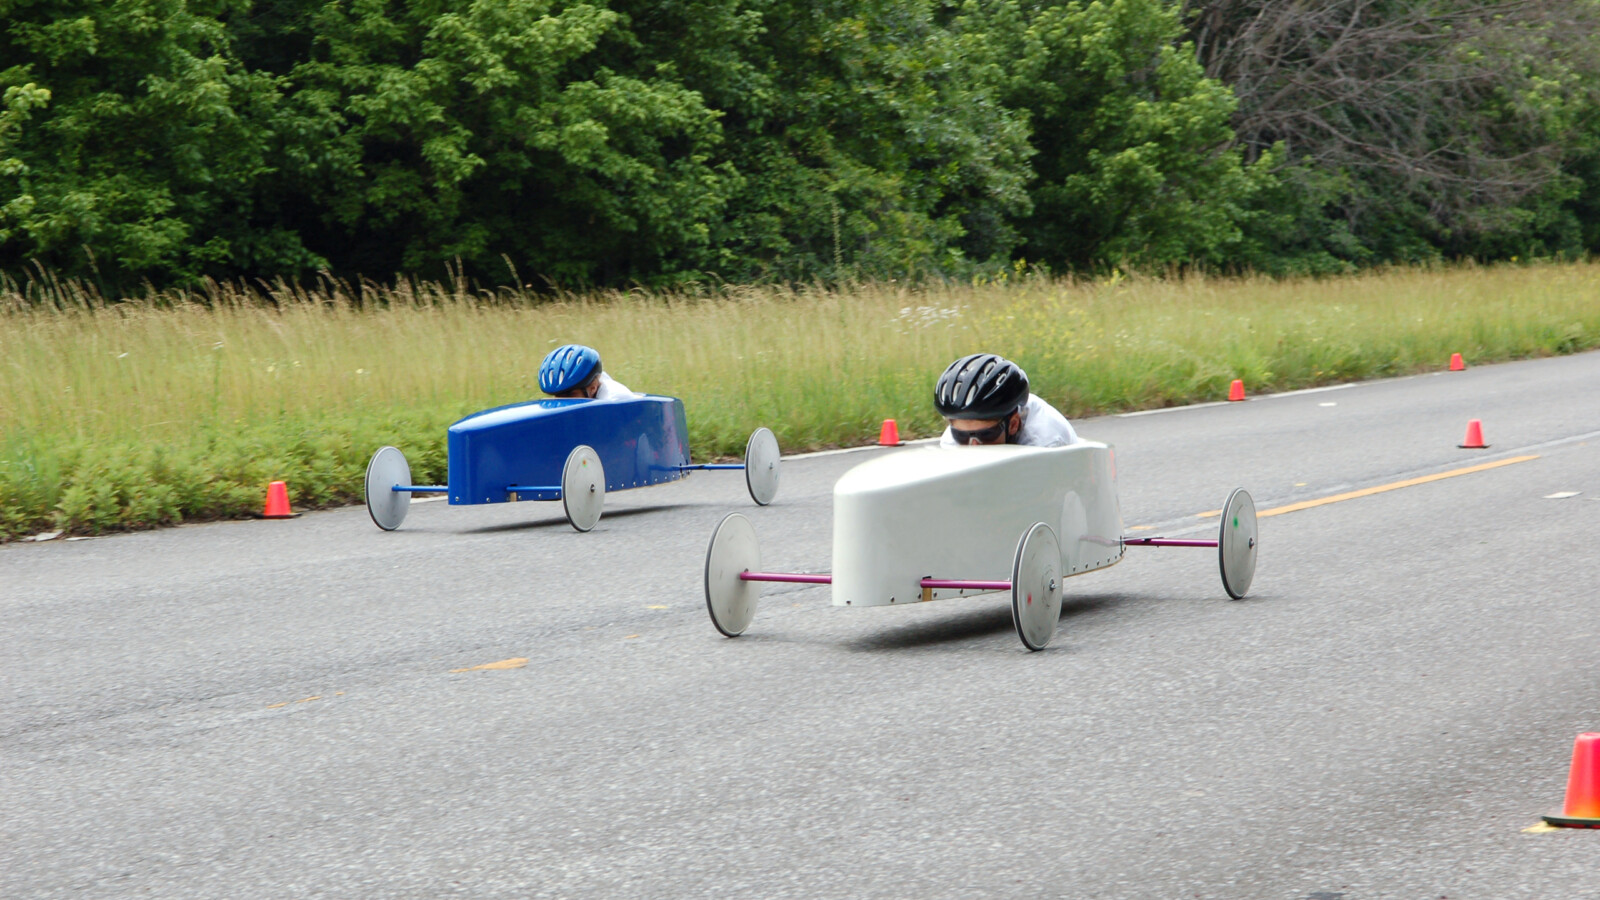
x=386, y=506
x=1036, y=586
x=1237, y=542
x=761, y=466
x=730, y=600
x=583, y=487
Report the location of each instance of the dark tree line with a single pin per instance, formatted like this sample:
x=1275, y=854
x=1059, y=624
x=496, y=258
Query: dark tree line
x=1422, y=127
x=623, y=141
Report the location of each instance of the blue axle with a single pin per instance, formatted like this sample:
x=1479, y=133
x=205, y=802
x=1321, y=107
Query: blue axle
x=531, y=489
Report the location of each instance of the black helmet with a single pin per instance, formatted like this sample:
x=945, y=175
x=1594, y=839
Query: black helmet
x=981, y=386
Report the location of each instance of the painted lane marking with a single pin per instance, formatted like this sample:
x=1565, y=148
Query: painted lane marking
x=515, y=663
x=302, y=700
x=1183, y=526
x=1579, y=439
x=1315, y=390
x=1541, y=828
x=1149, y=412
x=838, y=450
x=1143, y=412
x=1168, y=409
x=1379, y=489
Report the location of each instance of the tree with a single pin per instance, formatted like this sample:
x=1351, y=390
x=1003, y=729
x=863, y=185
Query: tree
x=491, y=129
x=1419, y=126
x=1133, y=161
x=642, y=140
x=134, y=140
x=870, y=147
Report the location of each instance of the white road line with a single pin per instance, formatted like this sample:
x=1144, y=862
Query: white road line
x=1586, y=436
x=1180, y=527
x=839, y=450
x=1315, y=390
x=1168, y=409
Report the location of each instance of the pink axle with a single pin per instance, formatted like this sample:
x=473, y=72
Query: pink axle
x=786, y=576
x=932, y=583
x=1166, y=542
x=937, y=583
x=957, y=585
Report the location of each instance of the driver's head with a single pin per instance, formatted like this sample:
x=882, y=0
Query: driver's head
x=570, y=371
x=982, y=396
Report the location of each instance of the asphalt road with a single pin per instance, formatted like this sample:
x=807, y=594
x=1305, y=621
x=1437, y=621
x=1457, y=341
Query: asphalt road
x=276, y=708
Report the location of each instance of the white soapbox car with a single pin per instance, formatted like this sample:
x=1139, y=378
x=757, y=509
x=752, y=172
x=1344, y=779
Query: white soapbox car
x=937, y=522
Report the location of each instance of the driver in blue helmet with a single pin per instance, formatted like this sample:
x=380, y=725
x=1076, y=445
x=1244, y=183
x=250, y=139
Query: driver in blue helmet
x=986, y=400
x=573, y=371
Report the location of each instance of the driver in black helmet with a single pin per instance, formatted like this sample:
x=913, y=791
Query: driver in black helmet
x=986, y=400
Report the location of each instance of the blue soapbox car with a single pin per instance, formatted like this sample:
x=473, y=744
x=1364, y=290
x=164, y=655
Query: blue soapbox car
x=568, y=450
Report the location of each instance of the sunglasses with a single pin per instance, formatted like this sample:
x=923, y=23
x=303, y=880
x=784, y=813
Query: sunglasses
x=991, y=435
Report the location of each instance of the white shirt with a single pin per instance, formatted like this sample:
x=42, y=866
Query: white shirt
x=1042, y=426
x=611, y=389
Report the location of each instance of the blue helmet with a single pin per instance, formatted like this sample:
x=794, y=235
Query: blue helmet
x=568, y=367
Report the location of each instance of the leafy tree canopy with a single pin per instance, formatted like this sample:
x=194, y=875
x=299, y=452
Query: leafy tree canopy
x=629, y=141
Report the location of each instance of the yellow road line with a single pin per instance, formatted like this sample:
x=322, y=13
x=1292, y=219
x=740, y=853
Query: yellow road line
x=1367, y=492
x=514, y=663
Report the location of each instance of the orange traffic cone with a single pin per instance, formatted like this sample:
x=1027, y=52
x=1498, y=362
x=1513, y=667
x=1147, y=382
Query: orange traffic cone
x=1474, y=438
x=889, y=434
x=1582, y=809
x=277, y=502
x=1236, y=390
x=1456, y=365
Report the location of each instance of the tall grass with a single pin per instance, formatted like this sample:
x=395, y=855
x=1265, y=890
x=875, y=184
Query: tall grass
x=183, y=406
